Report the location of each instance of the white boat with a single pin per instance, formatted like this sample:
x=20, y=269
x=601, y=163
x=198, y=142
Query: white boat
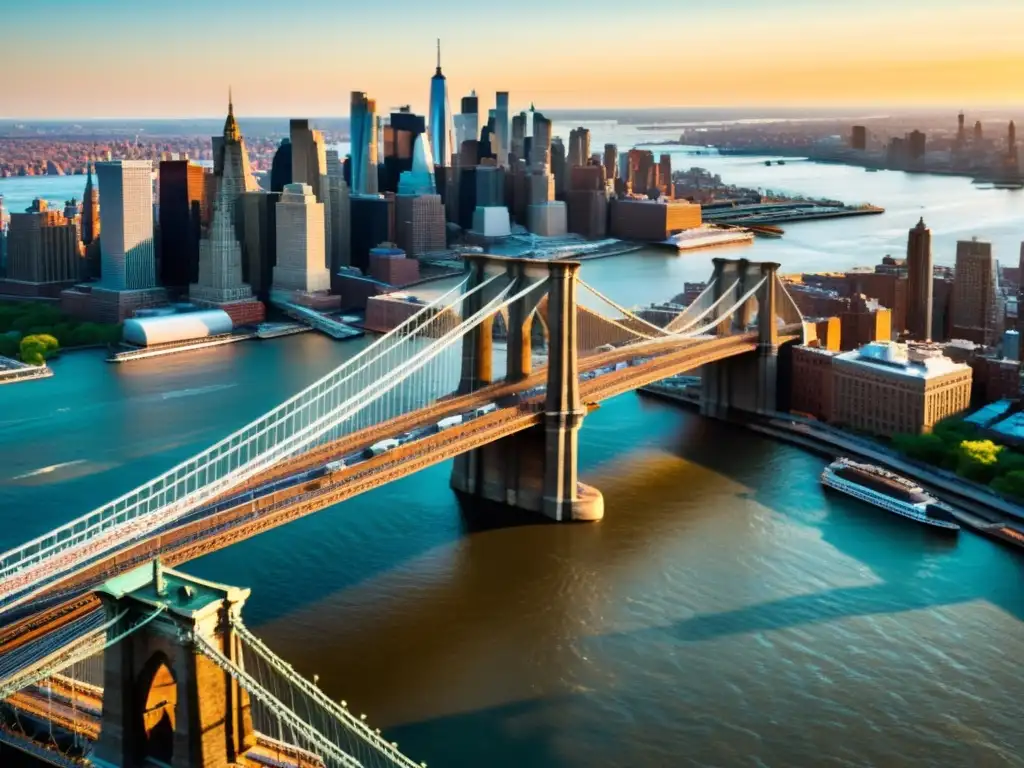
x=889, y=491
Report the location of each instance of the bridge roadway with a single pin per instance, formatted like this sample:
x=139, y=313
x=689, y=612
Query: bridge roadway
x=295, y=487
x=76, y=708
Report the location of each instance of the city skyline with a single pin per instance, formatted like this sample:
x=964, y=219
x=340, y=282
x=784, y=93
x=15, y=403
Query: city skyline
x=941, y=52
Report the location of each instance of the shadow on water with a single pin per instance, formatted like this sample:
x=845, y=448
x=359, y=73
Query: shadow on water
x=480, y=516
x=526, y=730
x=915, y=564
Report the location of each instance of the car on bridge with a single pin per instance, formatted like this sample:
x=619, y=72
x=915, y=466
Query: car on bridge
x=483, y=410
x=449, y=422
x=414, y=434
x=334, y=466
x=382, y=447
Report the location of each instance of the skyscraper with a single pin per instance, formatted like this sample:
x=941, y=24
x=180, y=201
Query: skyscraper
x=611, y=159
x=309, y=158
x=400, y=138
x=235, y=168
x=126, y=219
x=977, y=310
x=281, y=167
x=259, y=240
x=363, y=132
x=220, y=256
x=517, y=148
x=579, y=146
x=419, y=179
x=665, y=175
x=91, y=225
x=45, y=245
x=90, y=209
x=499, y=139
x=442, y=133
x=920, y=284
x=420, y=224
x=340, y=208
x=559, y=167
x=301, y=258
x=540, y=147
x=182, y=193
x=467, y=122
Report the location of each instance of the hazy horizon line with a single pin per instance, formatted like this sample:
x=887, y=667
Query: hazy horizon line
x=888, y=110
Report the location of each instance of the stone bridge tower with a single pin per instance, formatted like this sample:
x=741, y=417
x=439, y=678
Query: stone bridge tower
x=163, y=702
x=747, y=382
x=533, y=470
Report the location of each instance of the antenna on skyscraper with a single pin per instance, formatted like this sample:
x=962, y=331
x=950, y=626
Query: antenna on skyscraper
x=439, y=55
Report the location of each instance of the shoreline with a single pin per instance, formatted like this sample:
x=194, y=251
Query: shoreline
x=979, y=512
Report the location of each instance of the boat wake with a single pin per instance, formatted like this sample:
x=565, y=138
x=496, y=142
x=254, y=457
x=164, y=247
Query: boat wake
x=48, y=470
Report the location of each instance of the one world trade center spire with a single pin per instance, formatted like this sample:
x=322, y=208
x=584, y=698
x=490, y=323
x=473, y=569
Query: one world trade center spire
x=441, y=127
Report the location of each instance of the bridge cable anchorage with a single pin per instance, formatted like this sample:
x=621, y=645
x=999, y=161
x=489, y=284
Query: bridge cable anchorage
x=332, y=754
x=727, y=293
x=229, y=462
x=627, y=314
x=88, y=645
x=358, y=727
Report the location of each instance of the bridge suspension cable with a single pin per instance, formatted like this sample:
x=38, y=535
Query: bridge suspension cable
x=678, y=327
x=248, y=451
x=727, y=313
x=61, y=658
x=655, y=330
x=363, y=734
x=714, y=323
x=318, y=731
x=164, y=489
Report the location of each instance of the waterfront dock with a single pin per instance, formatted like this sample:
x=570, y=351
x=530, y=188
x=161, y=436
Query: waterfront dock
x=130, y=354
x=277, y=330
x=12, y=371
x=318, y=321
x=786, y=212
x=708, y=236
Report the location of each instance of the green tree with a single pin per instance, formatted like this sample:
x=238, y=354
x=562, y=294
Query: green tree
x=37, y=348
x=1012, y=484
x=1009, y=461
x=9, y=345
x=929, y=447
x=955, y=430
x=977, y=460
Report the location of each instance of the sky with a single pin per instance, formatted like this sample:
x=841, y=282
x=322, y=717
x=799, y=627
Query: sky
x=116, y=58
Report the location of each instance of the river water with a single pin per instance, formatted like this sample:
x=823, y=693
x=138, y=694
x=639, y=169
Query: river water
x=726, y=612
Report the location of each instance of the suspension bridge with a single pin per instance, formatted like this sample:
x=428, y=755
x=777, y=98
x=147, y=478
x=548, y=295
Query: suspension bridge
x=434, y=388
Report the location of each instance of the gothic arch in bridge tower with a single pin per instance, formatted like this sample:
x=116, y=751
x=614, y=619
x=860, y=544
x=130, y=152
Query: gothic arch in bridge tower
x=164, y=702
x=157, y=692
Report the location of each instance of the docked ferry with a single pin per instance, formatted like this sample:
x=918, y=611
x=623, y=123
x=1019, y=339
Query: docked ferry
x=889, y=491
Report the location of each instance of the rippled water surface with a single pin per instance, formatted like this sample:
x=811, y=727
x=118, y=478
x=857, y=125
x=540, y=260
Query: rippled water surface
x=726, y=612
